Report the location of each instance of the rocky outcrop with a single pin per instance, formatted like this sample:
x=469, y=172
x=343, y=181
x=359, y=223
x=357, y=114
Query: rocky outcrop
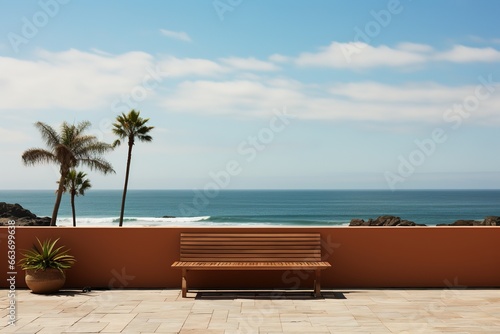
x=488, y=221
x=20, y=215
x=462, y=222
x=14, y=210
x=383, y=221
x=397, y=221
x=359, y=222
x=491, y=221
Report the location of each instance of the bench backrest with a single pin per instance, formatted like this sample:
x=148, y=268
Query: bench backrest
x=250, y=247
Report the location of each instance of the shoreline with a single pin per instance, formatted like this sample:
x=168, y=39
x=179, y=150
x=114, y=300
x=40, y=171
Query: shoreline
x=24, y=217
x=267, y=207
x=205, y=222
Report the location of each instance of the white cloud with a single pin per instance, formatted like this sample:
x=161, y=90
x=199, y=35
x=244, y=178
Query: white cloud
x=423, y=93
x=277, y=58
x=249, y=64
x=101, y=52
x=414, y=47
x=71, y=79
x=178, y=67
x=465, y=54
x=238, y=97
x=363, y=102
x=77, y=80
x=179, y=35
x=362, y=55
x=482, y=40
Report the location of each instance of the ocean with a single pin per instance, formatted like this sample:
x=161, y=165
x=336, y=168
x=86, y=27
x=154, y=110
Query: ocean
x=260, y=207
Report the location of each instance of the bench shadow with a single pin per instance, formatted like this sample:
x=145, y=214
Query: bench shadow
x=65, y=293
x=266, y=294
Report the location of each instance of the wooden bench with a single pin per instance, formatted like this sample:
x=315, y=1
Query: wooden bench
x=251, y=251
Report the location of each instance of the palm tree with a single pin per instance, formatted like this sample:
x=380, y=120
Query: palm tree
x=76, y=184
x=130, y=127
x=68, y=149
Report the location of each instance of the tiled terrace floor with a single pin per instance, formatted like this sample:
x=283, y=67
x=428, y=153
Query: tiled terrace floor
x=340, y=311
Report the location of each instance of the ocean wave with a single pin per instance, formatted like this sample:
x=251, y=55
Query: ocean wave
x=278, y=220
x=201, y=221
x=131, y=221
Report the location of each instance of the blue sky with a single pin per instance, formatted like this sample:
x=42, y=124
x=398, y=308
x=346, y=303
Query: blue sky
x=260, y=94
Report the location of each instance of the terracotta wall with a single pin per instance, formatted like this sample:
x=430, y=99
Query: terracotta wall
x=361, y=257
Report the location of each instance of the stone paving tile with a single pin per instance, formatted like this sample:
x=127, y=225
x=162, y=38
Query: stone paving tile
x=141, y=327
x=230, y=325
x=117, y=322
x=169, y=327
x=164, y=311
x=203, y=331
x=63, y=321
x=87, y=327
x=197, y=321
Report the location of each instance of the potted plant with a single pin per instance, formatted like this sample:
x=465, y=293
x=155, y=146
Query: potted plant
x=45, y=265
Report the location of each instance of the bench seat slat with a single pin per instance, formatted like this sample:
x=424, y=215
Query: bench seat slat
x=255, y=251
x=274, y=265
x=250, y=251
x=250, y=259
x=251, y=242
x=239, y=246
x=245, y=257
x=247, y=235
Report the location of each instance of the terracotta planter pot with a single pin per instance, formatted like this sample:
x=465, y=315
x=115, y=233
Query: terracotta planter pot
x=45, y=281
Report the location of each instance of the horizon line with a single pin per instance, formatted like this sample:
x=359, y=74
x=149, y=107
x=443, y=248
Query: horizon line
x=273, y=189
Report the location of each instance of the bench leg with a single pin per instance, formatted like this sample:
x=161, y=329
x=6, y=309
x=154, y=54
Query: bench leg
x=317, y=284
x=184, y=283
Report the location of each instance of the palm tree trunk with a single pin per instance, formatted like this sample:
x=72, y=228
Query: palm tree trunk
x=58, y=199
x=73, y=208
x=129, y=158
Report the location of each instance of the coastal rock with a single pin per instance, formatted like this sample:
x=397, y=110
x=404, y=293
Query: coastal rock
x=488, y=221
x=387, y=221
x=464, y=222
x=20, y=215
x=168, y=217
x=358, y=222
x=14, y=210
x=384, y=221
x=38, y=221
x=491, y=221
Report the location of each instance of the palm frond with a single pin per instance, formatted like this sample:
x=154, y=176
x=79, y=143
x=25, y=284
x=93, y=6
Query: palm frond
x=35, y=156
x=131, y=125
x=82, y=127
x=93, y=147
x=145, y=138
x=49, y=135
x=76, y=183
x=116, y=143
x=98, y=164
x=68, y=148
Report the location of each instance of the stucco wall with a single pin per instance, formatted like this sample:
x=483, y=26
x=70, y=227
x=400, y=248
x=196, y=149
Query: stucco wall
x=361, y=257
